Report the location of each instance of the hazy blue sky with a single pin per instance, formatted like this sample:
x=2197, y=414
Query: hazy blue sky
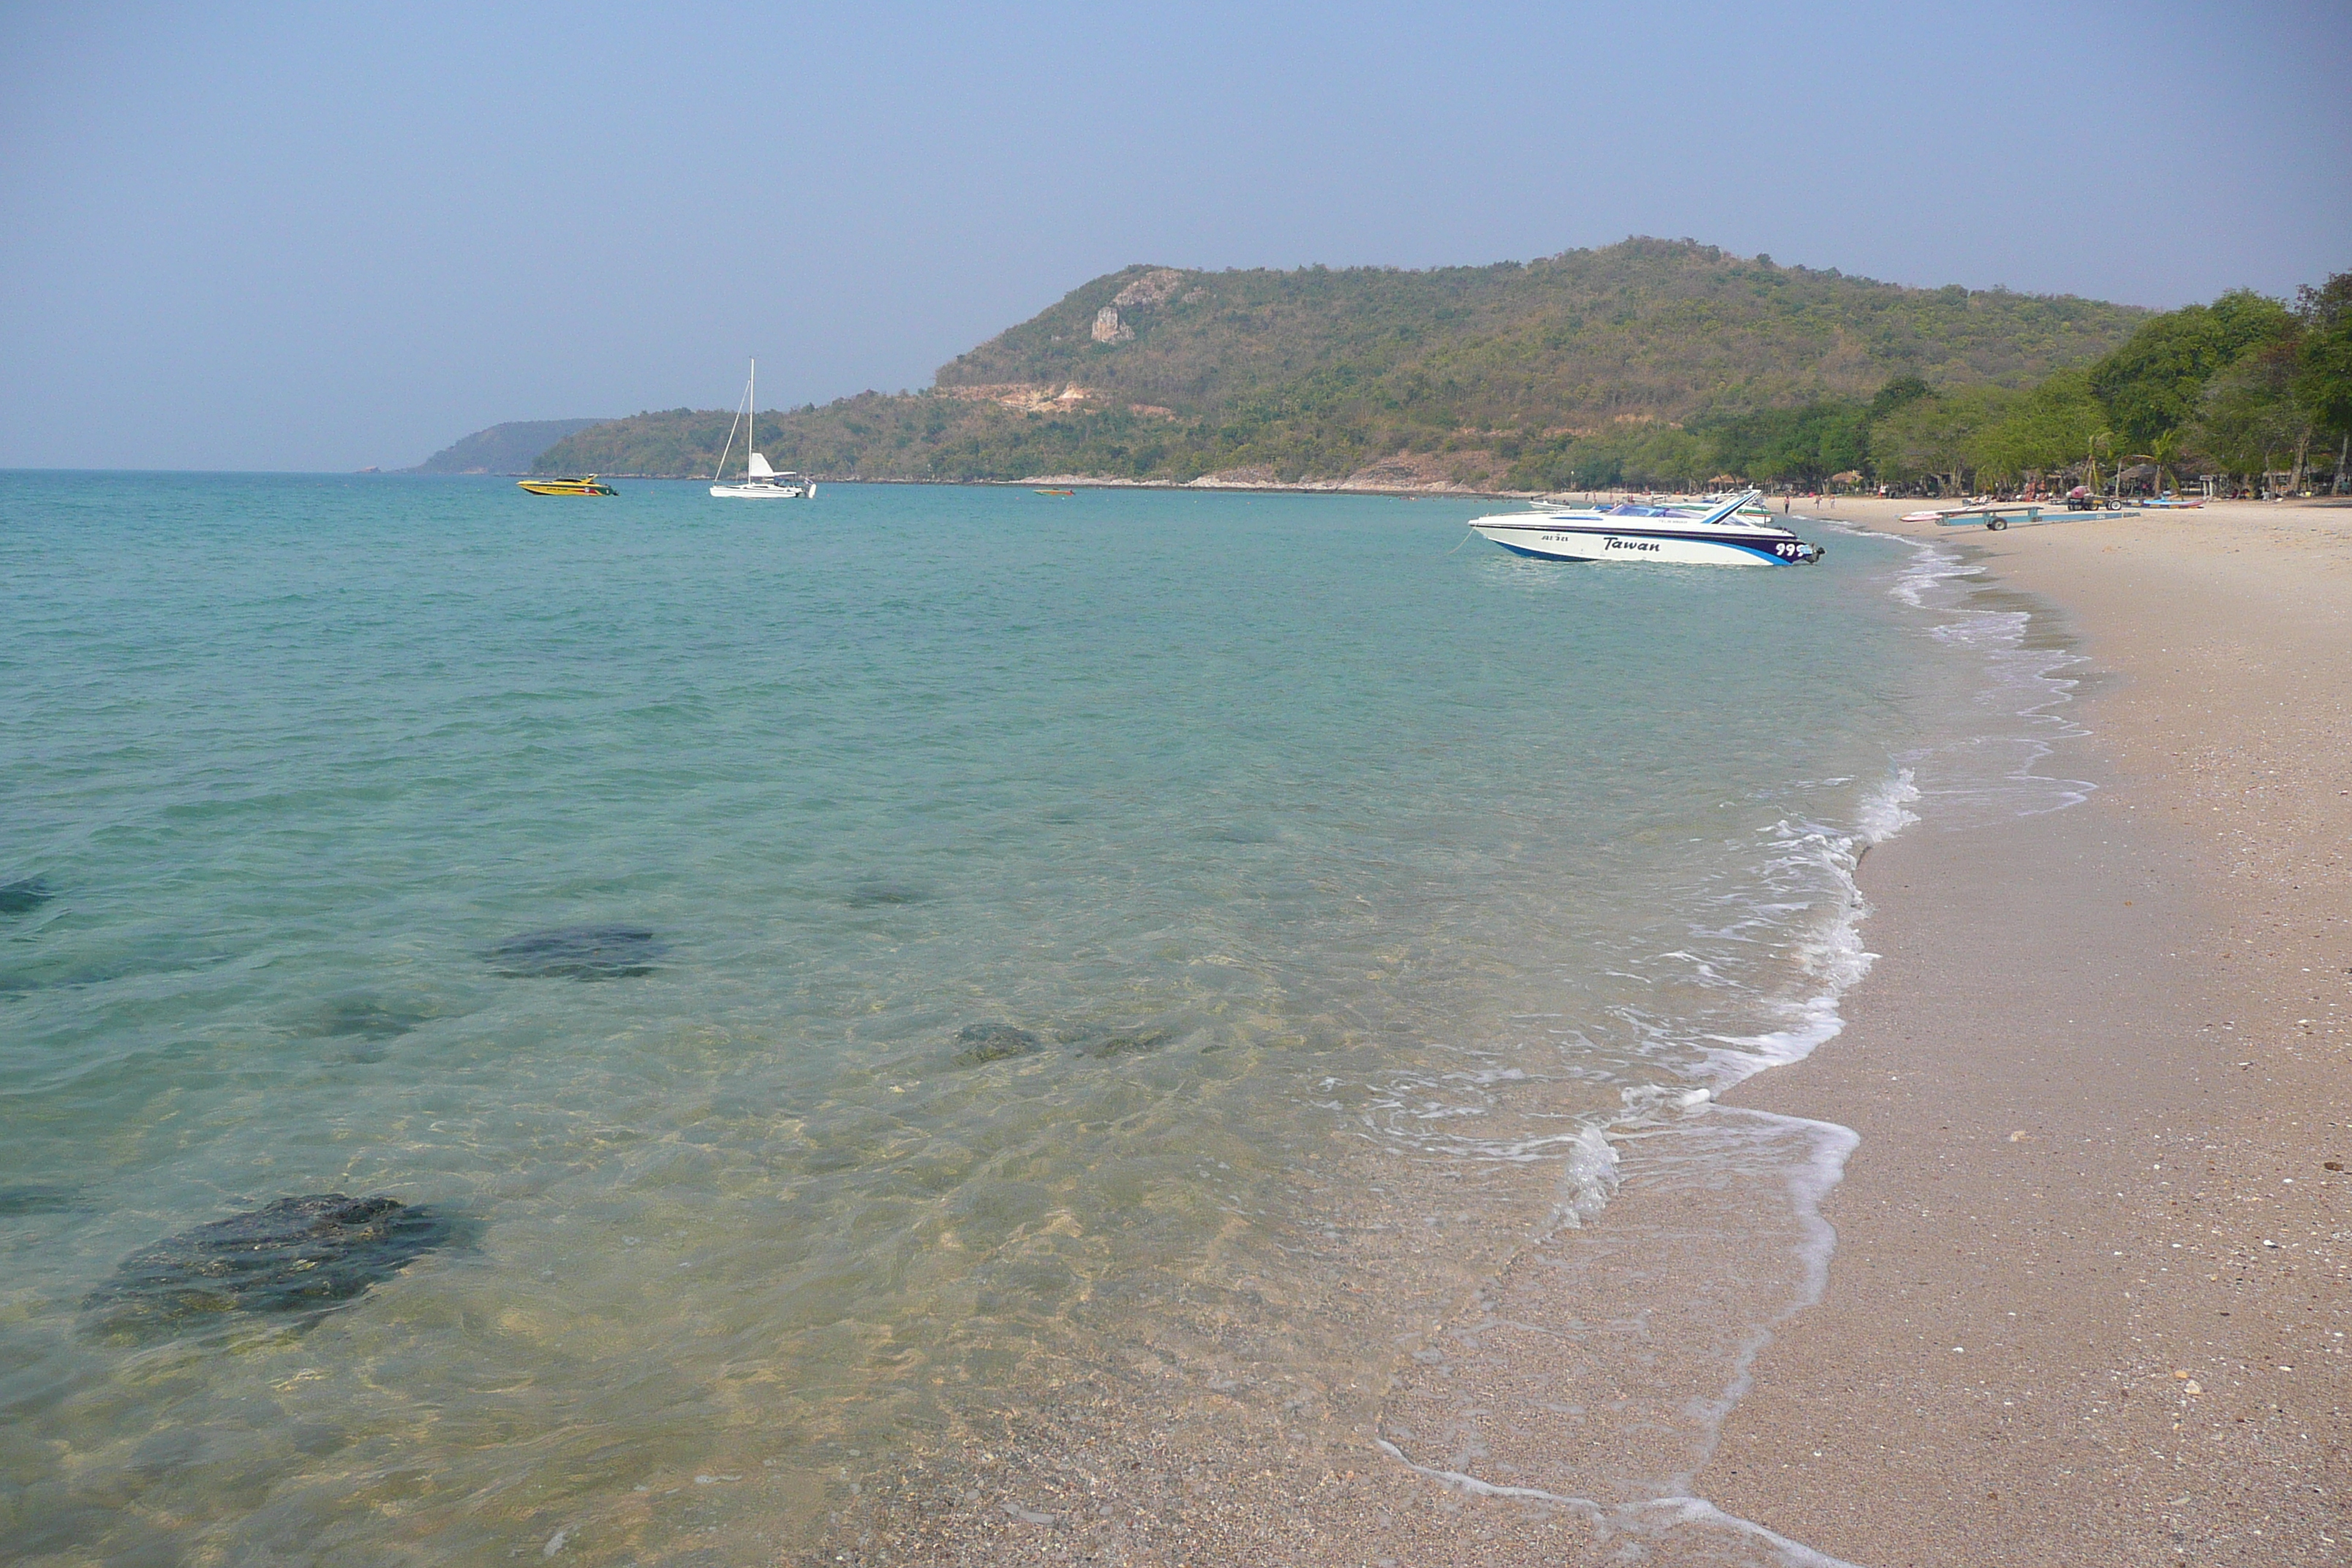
x=319, y=237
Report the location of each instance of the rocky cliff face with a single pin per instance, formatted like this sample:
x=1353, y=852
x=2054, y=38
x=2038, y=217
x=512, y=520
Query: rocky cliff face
x=1156, y=287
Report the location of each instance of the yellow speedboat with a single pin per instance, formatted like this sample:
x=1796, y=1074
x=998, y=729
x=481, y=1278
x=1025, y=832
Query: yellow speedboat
x=586, y=485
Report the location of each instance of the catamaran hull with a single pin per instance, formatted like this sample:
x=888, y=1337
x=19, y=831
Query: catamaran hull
x=763, y=492
x=1553, y=542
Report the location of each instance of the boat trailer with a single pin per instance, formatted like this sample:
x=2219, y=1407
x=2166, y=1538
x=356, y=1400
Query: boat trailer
x=1998, y=515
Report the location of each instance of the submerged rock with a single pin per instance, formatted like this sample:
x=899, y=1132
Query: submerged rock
x=1123, y=1044
x=35, y=1197
x=25, y=895
x=577, y=953
x=993, y=1043
x=367, y=1017
x=166, y=956
x=869, y=895
x=997, y=1042
x=307, y=1253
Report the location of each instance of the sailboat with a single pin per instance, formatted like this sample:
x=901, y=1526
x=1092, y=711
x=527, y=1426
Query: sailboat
x=759, y=482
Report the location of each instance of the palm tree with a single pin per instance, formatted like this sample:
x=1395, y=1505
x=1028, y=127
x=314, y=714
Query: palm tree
x=2098, y=438
x=2164, y=451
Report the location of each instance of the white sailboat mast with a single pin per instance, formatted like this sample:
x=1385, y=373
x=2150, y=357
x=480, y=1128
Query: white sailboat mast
x=751, y=441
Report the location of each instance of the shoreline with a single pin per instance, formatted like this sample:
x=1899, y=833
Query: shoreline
x=1886, y=513
x=2067, y=1012
x=2090, y=1267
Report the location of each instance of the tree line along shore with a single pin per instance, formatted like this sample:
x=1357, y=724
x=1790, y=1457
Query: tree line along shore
x=1647, y=363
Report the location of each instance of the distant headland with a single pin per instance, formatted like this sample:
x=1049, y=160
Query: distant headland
x=509, y=448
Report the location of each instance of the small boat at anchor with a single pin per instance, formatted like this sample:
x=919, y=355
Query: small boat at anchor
x=1061, y=495
x=1730, y=533
x=585, y=485
x=759, y=482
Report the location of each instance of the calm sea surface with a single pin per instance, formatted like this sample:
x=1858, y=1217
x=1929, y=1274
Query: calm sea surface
x=1016, y=921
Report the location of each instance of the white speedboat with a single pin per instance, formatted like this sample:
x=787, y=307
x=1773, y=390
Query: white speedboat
x=760, y=481
x=1726, y=534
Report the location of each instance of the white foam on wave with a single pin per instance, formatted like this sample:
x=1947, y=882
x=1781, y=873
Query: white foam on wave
x=1832, y=956
x=1587, y=1178
x=1886, y=810
x=1798, y=896
x=1804, y=862
x=1994, y=772
x=2023, y=693
x=1640, y=1522
x=1809, y=1183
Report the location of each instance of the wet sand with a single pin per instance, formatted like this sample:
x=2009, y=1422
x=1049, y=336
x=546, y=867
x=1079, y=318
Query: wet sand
x=2089, y=1288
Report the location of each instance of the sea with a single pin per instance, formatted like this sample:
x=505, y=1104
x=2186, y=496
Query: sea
x=822, y=977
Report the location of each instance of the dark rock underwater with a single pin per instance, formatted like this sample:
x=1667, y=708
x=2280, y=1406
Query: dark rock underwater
x=300, y=1255
x=577, y=953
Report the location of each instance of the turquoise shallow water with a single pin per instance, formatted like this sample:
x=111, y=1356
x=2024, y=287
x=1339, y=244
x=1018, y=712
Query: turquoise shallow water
x=1283, y=834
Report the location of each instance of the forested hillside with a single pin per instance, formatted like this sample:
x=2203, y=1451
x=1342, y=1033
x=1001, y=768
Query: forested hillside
x=1484, y=375
x=2248, y=391
x=509, y=448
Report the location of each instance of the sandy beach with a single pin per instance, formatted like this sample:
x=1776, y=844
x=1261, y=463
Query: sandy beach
x=2088, y=1298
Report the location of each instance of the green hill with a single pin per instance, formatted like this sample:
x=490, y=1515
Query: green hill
x=1476, y=375
x=507, y=449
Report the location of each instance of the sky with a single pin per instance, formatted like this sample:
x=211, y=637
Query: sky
x=323, y=237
